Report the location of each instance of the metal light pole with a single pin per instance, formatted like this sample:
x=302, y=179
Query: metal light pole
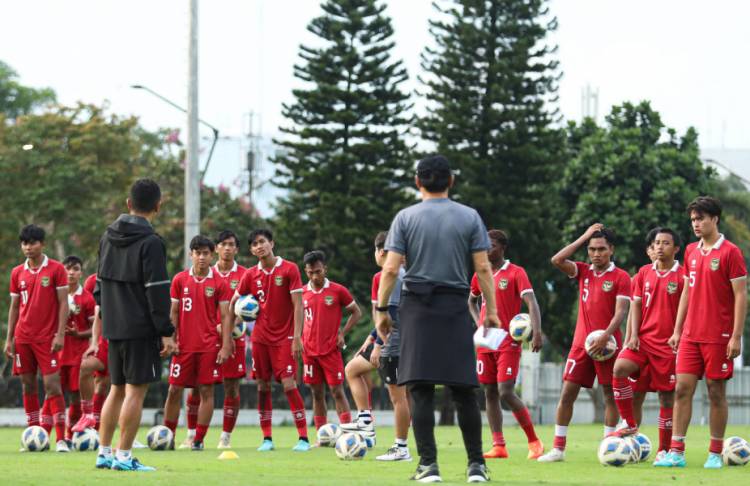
x=192, y=173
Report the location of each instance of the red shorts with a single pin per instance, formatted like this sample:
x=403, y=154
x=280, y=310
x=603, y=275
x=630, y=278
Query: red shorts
x=101, y=355
x=328, y=367
x=32, y=356
x=69, y=377
x=189, y=370
x=701, y=359
x=581, y=369
x=235, y=366
x=273, y=361
x=499, y=366
x=657, y=369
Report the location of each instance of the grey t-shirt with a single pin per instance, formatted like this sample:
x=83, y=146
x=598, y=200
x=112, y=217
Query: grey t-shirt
x=391, y=348
x=438, y=238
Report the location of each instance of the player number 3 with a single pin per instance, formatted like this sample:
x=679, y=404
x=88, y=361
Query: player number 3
x=175, y=370
x=187, y=304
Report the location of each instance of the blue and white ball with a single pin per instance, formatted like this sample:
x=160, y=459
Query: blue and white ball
x=160, y=438
x=609, y=350
x=328, y=434
x=351, y=446
x=88, y=440
x=645, y=444
x=247, y=308
x=614, y=451
x=635, y=449
x=520, y=328
x=239, y=330
x=736, y=451
x=35, y=439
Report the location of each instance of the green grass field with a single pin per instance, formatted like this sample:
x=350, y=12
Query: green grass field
x=320, y=466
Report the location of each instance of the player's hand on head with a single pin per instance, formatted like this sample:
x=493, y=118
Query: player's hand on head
x=594, y=228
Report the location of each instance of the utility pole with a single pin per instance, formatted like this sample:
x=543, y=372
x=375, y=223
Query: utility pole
x=192, y=173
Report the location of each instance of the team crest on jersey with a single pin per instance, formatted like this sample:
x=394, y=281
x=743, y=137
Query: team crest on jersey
x=209, y=291
x=671, y=287
x=714, y=264
x=233, y=284
x=45, y=281
x=259, y=283
x=279, y=281
x=75, y=309
x=503, y=284
x=329, y=300
x=608, y=285
x=186, y=290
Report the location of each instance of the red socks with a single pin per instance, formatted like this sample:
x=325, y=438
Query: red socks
x=98, y=404
x=678, y=444
x=624, y=400
x=193, y=403
x=264, y=411
x=716, y=446
x=231, y=410
x=523, y=417
x=320, y=421
x=498, y=439
x=74, y=413
x=57, y=406
x=200, y=432
x=87, y=407
x=559, y=442
x=31, y=406
x=665, y=428
x=297, y=406
x=171, y=425
x=46, y=416
x=345, y=417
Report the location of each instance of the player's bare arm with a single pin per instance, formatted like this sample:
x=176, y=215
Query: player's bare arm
x=634, y=322
x=621, y=311
x=536, y=321
x=562, y=259
x=96, y=331
x=298, y=324
x=62, y=319
x=682, y=309
x=483, y=269
x=355, y=314
x=12, y=320
x=474, y=308
x=388, y=279
x=739, y=287
x=169, y=346
x=226, y=333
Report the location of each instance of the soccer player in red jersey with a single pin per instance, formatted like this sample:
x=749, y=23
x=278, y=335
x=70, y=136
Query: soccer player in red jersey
x=501, y=367
x=37, y=319
x=604, y=297
x=324, y=303
x=656, y=296
x=197, y=295
x=277, y=336
x=708, y=332
x=77, y=333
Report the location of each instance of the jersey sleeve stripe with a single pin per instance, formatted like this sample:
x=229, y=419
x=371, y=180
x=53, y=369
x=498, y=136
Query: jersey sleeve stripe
x=737, y=279
x=527, y=291
x=61, y=287
x=295, y=291
x=175, y=300
x=13, y=294
x=625, y=297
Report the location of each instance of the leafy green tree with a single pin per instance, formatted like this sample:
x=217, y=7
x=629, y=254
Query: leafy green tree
x=17, y=99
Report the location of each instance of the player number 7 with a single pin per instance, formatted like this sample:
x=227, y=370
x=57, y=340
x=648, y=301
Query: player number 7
x=572, y=364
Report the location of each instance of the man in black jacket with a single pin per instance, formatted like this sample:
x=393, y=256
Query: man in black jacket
x=132, y=290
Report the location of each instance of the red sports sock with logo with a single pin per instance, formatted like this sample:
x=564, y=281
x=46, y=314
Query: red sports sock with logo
x=193, y=403
x=31, y=406
x=523, y=417
x=716, y=445
x=297, y=406
x=200, y=432
x=171, y=425
x=678, y=444
x=319, y=421
x=46, y=420
x=87, y=407
x=231, y=411
x=98, y=404
x=57, y=406
x=665, y=428
x=74, y=413
x=498, y=439
x=624, y=400
x=345, y=417
x=265, y=412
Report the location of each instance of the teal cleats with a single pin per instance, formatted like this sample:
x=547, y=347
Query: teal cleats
x=104, y=462
x=266, y=446
x=672, y=459
x=302, y=446
x=131, y=465
x=713, y=461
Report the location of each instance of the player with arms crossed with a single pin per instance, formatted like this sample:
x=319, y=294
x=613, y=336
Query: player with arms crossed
x=604, y=296
x=656, y=296
x=323, y=338
x=197, y=295
x=708, y=332
x=277, y=336
x=501, y=367
x=37, y=320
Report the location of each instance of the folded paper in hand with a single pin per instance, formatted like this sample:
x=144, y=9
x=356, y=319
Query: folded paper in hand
x=492, y=340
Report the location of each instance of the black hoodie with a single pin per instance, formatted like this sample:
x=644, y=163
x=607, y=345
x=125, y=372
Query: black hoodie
x=132, y=283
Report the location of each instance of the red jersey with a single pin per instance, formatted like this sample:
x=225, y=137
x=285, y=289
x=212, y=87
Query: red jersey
x=273, y=289
x=511, y=284
x=598, y=294
x=232, y=279
x=199, y=300
x=710, y=315
x=323, y=311
x=375, y=288
x=81, y=304
x=659, y=293
x=90, y=284
x=38, y=305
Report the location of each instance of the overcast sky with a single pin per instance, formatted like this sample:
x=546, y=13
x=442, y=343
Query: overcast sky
x=688, y=57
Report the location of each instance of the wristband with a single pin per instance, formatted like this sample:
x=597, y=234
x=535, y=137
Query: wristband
x=378, y=341
x=382, y=309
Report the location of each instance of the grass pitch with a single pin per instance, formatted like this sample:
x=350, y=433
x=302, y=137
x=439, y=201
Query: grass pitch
x=320, y=466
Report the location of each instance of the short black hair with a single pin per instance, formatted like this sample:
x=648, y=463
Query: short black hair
x=669, y=231
x=500, y=236
x=651, y=236
x=705, y=205
x=31, y=233
x=434, y=173
x=200, y=241
x=380, y=240
x=71, y=260
x=145, y=195
x=225, y=235
x=606, y=233
x=259, y=232
x=314, y=257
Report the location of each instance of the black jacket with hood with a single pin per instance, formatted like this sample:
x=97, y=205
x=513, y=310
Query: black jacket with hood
x=132, y=283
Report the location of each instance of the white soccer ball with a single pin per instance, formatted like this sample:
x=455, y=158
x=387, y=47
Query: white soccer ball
x=635, y=449
x=35, y=439
x=88, y=440
x=247, y=308
x=351, y=446
x=160, y=438
x=736, y=451
x=520, y=328
x=328, y=434
x=609, y=350
x=239, y=330
x=614, y=451
x=645, y=444
x=369, y=438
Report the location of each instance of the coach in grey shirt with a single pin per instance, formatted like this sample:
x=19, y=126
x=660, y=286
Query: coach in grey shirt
x=444, y=242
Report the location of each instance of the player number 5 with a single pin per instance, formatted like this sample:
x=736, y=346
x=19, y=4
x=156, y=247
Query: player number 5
x=692, y=278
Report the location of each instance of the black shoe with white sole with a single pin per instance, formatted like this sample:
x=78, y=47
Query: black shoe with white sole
x=477, y=473
x=427, y=474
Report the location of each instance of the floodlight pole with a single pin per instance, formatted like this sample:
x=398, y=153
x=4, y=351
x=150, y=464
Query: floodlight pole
x=192, y=173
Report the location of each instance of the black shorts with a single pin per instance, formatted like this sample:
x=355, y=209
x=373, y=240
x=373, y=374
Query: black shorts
x=134, y=361
x=388, y=370
x=367, y=352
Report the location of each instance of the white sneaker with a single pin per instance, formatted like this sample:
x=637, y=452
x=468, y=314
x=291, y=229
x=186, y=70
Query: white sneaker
x=396, y=453
x=187, y=443
x=659, y=456
x=359, y=426
x=555, y=455
x=224, y=442
x=62, y=446
x=138, y=445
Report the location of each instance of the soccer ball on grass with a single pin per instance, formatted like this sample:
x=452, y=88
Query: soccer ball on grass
x=614, y=451
x=35, y=439
x=736, y=451
x=327, y=435
x=87, y=440
x=351, y=446
x=160, y=438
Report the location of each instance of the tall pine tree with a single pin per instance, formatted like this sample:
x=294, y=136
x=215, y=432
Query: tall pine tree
x=345, y=165
x=491, y=83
